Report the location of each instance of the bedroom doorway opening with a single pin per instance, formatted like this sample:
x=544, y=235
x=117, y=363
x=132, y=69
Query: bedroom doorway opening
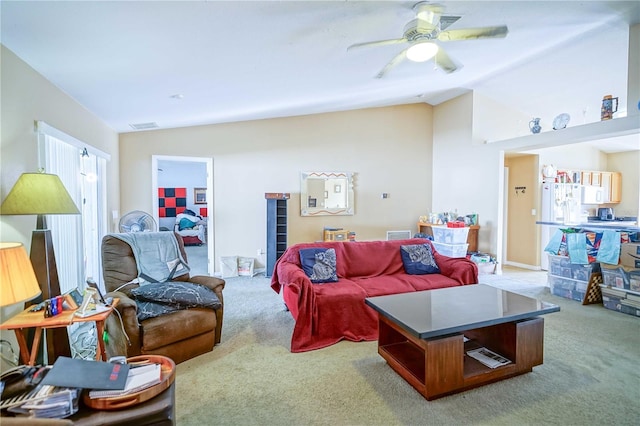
x=182, y=187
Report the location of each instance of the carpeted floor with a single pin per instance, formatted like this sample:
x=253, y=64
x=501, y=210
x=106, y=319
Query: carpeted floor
x=590, y=373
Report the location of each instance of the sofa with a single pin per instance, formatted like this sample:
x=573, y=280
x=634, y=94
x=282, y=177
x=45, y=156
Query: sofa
x=326, y=313
x=179, y=335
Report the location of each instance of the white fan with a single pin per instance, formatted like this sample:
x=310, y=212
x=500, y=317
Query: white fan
x=137, y=221
x=425, y=30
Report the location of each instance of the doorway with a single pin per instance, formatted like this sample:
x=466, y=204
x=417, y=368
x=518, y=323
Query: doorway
x=194, y=177
x=521, y=200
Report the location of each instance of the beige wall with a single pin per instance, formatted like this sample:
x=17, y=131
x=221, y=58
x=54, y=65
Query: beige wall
x=627, y=163
x=467, y=172
x=25, y=98
x=388, y=149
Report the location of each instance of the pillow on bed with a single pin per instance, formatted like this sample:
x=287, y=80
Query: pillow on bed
x=185, y=224
x=418, y=259
x=177, y=293
x=319, y=264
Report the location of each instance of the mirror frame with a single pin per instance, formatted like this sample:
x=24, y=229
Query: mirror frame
x=306, y=210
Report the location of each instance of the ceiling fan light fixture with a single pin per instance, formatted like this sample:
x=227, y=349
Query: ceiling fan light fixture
x=421, y=52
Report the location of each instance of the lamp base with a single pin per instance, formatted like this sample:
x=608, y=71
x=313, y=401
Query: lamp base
x=43, y=260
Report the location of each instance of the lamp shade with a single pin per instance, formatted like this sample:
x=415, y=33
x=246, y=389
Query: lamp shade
x=18, y=281
x=38, y=193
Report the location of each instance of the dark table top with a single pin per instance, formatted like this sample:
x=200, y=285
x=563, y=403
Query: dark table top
x=434, y=313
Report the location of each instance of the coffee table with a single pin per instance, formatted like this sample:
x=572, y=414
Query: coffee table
x=425, y=336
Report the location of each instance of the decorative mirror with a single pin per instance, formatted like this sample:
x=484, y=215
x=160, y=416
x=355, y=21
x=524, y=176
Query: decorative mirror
x=326, y=194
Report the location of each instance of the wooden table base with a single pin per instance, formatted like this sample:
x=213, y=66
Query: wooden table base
x=438, y=367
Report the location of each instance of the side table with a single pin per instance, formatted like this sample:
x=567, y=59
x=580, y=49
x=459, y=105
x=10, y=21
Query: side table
x=27, y=319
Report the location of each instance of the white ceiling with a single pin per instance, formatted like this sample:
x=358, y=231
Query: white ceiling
x=243, y=60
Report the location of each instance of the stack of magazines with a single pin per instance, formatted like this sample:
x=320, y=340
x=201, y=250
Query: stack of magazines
x=139, y=378
x=45, y=402
x=488, y=358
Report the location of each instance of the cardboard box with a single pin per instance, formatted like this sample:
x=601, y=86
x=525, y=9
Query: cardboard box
x=630, y=255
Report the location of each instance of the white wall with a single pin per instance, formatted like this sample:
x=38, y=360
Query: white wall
x=388, y=149
x=467, y=173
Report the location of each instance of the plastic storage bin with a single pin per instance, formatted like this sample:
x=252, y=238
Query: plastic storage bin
x=569, y=280
x=442, y=234
x=451, y=250
x=567, y=288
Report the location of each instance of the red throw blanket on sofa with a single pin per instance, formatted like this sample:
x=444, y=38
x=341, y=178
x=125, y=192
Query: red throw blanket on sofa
x=330, y=312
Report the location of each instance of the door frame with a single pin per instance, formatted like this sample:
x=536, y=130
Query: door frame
x=211, y=220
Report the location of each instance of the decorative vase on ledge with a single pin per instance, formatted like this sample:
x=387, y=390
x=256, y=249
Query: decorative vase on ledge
x=534, y=125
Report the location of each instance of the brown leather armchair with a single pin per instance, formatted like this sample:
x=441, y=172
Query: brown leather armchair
x=179, y=335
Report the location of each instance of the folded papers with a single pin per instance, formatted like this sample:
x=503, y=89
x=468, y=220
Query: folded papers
x=139, y=378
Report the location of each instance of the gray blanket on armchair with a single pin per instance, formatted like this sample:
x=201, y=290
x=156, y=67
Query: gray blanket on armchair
x=157, y=255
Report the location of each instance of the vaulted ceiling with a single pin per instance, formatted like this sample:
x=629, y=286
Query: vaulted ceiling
x=184, y=63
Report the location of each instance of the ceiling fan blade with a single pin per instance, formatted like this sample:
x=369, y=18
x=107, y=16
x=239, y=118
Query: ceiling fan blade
x=378, y=43
x=445, y=21
x=444, y=62
x=395, y=61
x=474, y=33
x=428, y=11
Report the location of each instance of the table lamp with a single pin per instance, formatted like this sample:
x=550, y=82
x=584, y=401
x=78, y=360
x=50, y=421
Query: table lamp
x=17, y=278
x=42, y=194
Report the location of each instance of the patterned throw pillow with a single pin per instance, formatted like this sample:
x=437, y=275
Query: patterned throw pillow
x=148, y=310
x=319, y=264
x=182, y=294
x=418, y=259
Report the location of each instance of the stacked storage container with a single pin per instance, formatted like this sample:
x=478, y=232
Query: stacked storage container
x=568, y=279
x=451, y=242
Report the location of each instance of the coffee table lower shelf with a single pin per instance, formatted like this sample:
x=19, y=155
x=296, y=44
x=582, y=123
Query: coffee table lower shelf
x=439, y=366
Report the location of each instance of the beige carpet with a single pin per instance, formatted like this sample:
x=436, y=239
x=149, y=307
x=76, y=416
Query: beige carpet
x=590, y=374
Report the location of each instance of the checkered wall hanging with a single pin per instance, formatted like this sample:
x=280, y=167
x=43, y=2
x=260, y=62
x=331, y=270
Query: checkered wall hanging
x=171, y=201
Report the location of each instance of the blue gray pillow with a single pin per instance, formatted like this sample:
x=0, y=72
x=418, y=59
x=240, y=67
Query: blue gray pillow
x=319, y=264
x=418, y=259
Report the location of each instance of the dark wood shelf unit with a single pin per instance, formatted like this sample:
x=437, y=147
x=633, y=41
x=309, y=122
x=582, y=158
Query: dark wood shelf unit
x=276, y=228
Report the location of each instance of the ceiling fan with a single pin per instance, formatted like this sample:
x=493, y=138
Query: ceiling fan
x=422, y=33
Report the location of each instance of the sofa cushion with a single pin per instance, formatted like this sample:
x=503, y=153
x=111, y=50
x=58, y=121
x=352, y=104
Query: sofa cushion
x=384, y=284
x=180, y=294
x=319, y=264
x=418, y=259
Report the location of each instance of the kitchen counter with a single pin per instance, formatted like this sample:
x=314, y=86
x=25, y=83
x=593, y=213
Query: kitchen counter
x=614, y=224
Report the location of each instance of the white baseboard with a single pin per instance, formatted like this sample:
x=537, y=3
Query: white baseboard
x=523, y=265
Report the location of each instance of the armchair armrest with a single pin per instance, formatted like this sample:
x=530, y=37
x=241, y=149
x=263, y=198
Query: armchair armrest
x=118, y=343
x=217, y=285
x=213, y=283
